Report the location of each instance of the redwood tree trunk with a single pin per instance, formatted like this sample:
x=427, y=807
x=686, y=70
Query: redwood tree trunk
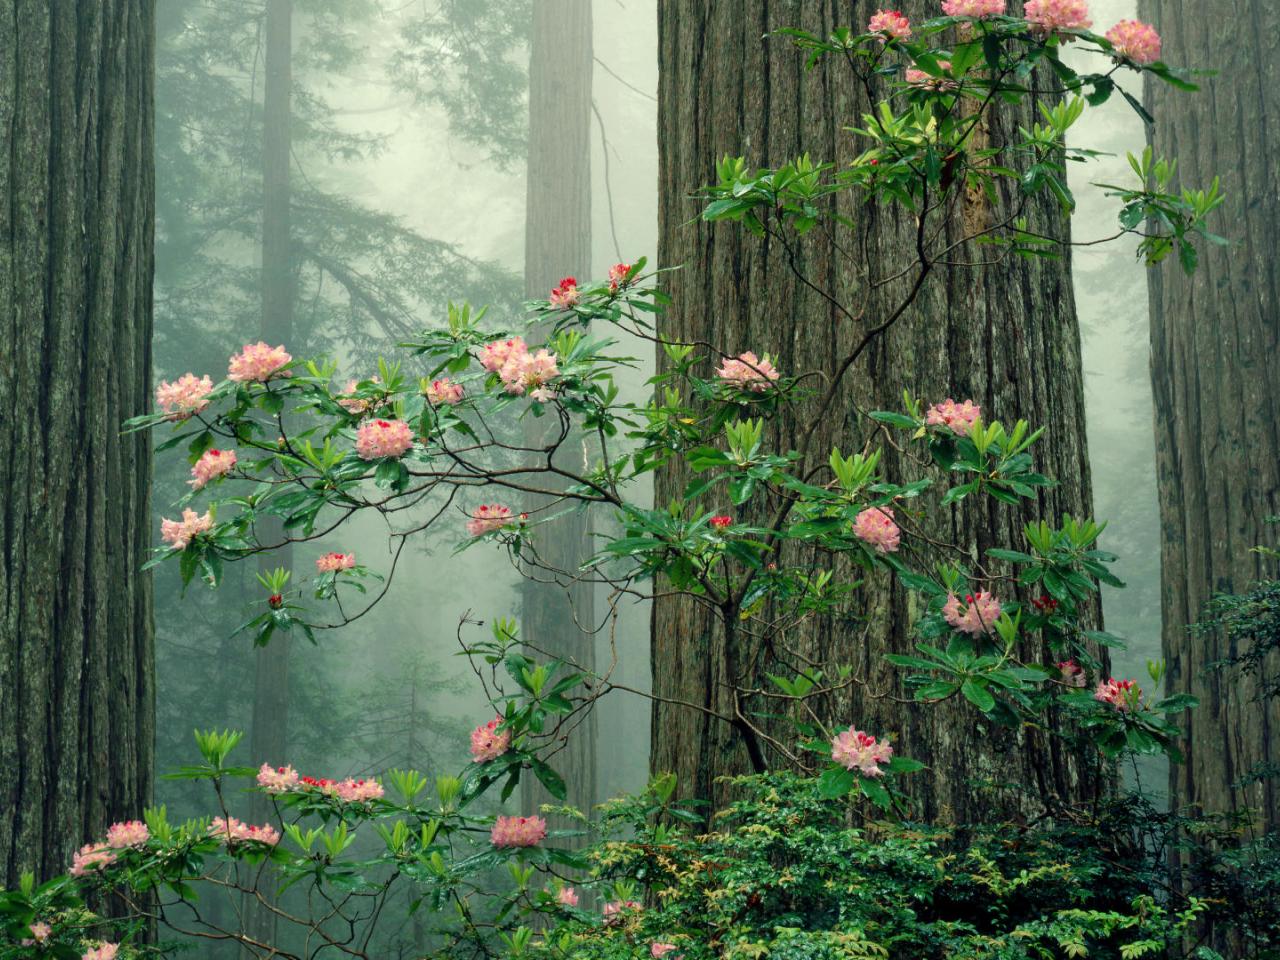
x=1215, y=369
x=76, y=223
x=557, y=244
x=1006, y=337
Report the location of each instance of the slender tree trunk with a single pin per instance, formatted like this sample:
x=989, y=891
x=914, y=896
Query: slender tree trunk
x=77, y=717
x=558, y=243
x=1007, y=337
x=270, y=732
x=1215, y=370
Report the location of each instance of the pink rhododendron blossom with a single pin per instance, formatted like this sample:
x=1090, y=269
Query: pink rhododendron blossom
x=494, y=356
x=660, y=950
x=721, y=522
x=334, y=562
x=1135, y=40
x=890, y=23
x=92, y=856
x=277, y=779
x=1073, y=674
x=1124, y=695
x=956, y=417
x=920, y=78
x=185, y=397
x=179, y=533
x=444, y=391
x=358, y=791
x=977, y=615
x=518, y=831
x=39, y=934
x=855, y=750
x=383, y=438
x=973, y=8
x=488, y=742
x=567, y=897
x=529, y=371
x=874, y=526
x=618, y=276
x=565, y=295
x=258, y=362
x=748, y=372
x=354, y=405
x=487, y=518
x=130, y=833
x=103, y=951
x=543, y=394
x=1048, y=16
x=614, y=909
x=212, y=465
x=231, y=830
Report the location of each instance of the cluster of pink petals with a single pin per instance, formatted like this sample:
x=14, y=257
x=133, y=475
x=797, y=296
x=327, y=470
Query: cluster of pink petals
x=92, y=856
x=890, y=23
x=130, y=833
x=976, y=616
x=518, y=831
x=39, y=934
x=488, y=742
x=444, y=391
x=956, y=417
x=1135, y=40
x=921, y=78
x=487, y=518
x=1124, y=695
x=212, y=465
x=1049, y=16
x=376, y=439
x=615, y=909
x=748, y=372
x=520, y=369
x=618, y=276
x=721, y=522
x=874, y=526
x=277, y=779
x=334, y=562
x=565, y=294
x=358, y=791
x=231, y=830
x=179, y=533
x=660, y=950
x=1073, y=674
x=567, y=897
x=354, y=405
x=973, y=8
x=103, y=951
x=855, y=750
x=258, y=362
x=185, y=397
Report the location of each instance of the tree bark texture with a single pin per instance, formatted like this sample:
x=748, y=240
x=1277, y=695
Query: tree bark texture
x=1215, y=370
x=77, y=718
x=1006, y=337
x=554, y=618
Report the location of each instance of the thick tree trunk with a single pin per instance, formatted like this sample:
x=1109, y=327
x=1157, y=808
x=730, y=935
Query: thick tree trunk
x=1215, y=369
x=1007, y=337
x=76, y=223
x=558, y=243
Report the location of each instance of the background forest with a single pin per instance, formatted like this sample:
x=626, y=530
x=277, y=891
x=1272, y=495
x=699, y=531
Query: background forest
x=339, y=175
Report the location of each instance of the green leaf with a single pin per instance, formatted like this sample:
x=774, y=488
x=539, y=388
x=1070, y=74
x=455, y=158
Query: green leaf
x=975, y=691
x=835, y=782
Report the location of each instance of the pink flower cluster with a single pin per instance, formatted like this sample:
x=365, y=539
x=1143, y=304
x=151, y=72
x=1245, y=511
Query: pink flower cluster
x=977, y=616
x=487, y=518
x=335, y=562
x=748, y=372
x=258, y=363
x=519, y=369
x=518, y=831
x=354, y=405
x=1073, y=674
x=92, y=856
x=956, y=417
x=973, y=8
x=1135, y=40
x=212, y=465
x=348, y=791
x=231, y=830
x=1050, y=16
x=565, y=294
x=567, y=897
x=376, y=439
x=1124, y=695
x=919, y=78
x=721, y=522
x=615, y=909
x=874, y=526
x=444, y=391
x=277, y=779
x=890, y=23
x=103, y=951
x=488, y=742
x=185, y=397
x=618, y=276
x=39, y=934
x=179, y=533
x=130, y=833
x=855, y=750
x=660, y=950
